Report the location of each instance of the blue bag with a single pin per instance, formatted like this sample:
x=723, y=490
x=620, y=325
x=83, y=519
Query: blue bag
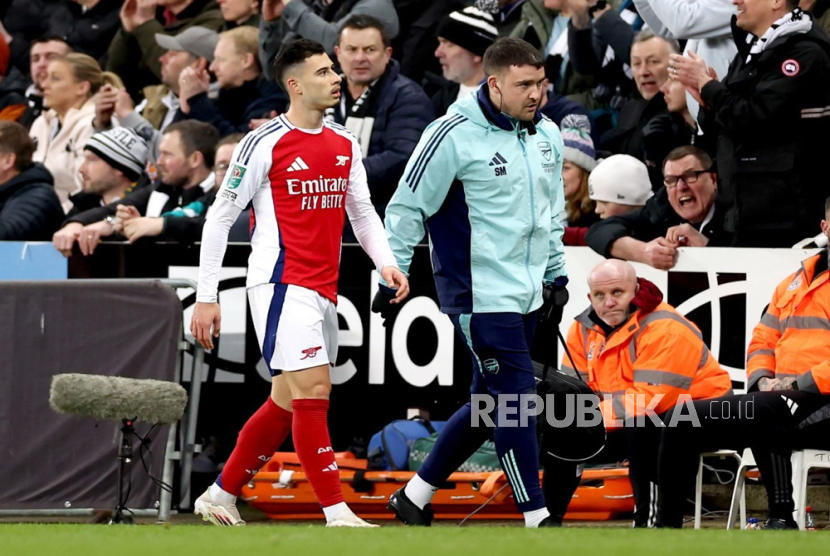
x=389, y=449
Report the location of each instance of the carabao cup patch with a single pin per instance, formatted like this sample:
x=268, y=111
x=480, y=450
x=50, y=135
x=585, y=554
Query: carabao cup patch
x=790, y=68
x=235, y=177
x=545, y=149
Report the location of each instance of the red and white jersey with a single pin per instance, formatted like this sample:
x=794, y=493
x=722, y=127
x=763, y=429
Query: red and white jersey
x=300, y=183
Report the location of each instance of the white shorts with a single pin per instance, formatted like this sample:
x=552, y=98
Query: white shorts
x=296, y=327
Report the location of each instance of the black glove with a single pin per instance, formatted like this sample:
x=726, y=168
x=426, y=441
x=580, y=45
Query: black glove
x=554, y=298
x=381, y=303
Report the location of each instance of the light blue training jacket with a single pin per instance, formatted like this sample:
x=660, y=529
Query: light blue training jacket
x=489, y=193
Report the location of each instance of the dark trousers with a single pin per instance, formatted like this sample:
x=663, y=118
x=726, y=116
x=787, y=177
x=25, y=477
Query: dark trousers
x=638, y=444
x=499, y=346
x=772, y=424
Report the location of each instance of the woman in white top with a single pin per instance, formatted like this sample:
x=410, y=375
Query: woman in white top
x=61, y=132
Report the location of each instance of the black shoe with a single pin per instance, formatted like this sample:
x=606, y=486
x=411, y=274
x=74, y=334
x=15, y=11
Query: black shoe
x=777, y=523
x=407, y=512
x=549, y=522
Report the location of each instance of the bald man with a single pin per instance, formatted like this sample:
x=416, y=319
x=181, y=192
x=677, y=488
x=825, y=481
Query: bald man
x=639, y=354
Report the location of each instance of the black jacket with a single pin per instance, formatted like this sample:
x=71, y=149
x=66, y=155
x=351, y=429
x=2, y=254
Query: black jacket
x=91, y=31
x=29, y=207
x=650, y=222
x=174, y=197
x=773, y=121
x=231, y=112
x=647, y=126
x=441, y=92
x=12, y=91
x=403, y=112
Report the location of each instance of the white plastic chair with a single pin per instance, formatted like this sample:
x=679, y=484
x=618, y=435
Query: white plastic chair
x=803, y=461
x=739, y=492
x=699, y=483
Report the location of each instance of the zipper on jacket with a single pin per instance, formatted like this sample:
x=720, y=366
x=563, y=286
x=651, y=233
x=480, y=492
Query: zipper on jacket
x=532, y=220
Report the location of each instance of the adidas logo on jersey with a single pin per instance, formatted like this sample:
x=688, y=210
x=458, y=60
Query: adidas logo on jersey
x=332, y=467
x=298, y=164
x=499, y=162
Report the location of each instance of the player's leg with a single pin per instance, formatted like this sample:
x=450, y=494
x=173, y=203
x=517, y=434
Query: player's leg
x=501, y=342
x=264, y=432
x=312, y=337
x=458, y=440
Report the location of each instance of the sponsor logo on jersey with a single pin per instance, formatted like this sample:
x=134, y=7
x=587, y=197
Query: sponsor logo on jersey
x=545, y=149
x=310, y=353
x=324, y=450
x=319, y=185
x=235, y=176
x=229, y=195
x=331, y=467
x=341, y=160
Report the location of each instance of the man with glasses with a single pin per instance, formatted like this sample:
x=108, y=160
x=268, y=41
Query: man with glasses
x=684, y=213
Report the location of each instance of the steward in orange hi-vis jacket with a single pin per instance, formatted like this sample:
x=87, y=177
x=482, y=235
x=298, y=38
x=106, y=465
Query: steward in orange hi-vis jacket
x=637, y=353
x=656, y=351
x=792, y=341
x=788, y=407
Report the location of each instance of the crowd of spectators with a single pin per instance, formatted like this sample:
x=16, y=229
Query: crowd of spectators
x=685, y=122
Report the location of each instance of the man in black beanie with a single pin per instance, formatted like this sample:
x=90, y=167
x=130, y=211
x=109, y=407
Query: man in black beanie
x=463, y=36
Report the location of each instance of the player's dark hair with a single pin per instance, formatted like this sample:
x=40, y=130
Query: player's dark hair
x=363, y=21
x=508, y=51
x=827, y=205
x=196, y=136
x=294, y=53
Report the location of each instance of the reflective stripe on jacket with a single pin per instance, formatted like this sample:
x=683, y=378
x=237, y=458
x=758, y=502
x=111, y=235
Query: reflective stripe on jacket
x=793, y=337
x=656, y=352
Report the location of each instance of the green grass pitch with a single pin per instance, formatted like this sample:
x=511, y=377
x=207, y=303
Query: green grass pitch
x=475, y=540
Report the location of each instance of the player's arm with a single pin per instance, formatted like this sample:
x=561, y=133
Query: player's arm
x=368, y=229
x=424, y=186
x=245, y=175
x=556, y=254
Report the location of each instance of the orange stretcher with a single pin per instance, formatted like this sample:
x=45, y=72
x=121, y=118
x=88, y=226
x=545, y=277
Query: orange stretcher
x=282, y=491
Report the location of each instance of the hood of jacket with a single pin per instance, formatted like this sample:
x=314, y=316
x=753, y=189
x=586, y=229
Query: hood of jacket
x=34, y=174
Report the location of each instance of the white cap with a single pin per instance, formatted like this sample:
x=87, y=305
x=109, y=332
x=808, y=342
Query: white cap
x=620, y=179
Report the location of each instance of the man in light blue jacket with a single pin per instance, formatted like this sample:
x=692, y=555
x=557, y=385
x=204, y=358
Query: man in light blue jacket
x=486, y=182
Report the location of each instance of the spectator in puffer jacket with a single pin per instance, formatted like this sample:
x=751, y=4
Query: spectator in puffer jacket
x=244, y=93
x=29, y=208
x=386, y=111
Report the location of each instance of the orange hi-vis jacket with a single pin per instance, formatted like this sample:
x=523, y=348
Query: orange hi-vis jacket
x=654, y=352
x=793, y=338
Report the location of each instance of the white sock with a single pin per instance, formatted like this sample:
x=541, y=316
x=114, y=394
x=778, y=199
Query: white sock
x=221, y=496
x=335, y=511
x=419, y=491
x=535, y=517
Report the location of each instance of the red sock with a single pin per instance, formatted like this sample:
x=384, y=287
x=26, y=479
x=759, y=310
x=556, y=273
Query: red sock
x=261, y=436
x=311, y=439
